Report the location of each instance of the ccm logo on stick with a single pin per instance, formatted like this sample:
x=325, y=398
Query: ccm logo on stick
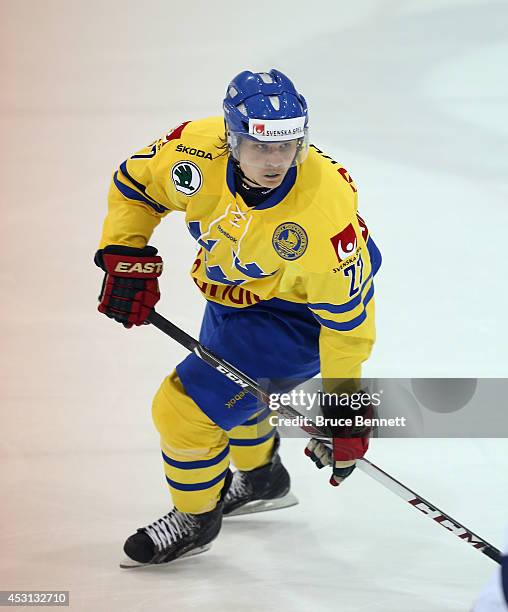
x=231, y=376
x=143, y=268
x=447, y=524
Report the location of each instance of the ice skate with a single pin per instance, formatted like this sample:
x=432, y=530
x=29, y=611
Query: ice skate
x=265, y=488
x=175, y=535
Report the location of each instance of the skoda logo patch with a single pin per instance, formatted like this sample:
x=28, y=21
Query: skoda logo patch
x=187, y=177
x=290, y=241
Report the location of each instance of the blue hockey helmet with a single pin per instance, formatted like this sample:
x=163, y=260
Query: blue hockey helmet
x=265, y=106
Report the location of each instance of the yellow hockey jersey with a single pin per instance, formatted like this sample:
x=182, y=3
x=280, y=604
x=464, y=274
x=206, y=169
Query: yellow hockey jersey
x=306, y=243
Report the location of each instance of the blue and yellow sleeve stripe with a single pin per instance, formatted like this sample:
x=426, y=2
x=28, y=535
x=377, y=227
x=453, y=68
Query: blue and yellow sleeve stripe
x=348, y=315
x=132, y=189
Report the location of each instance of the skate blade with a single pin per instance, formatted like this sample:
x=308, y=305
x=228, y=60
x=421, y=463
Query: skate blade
x=128, y=563
x=264, y=505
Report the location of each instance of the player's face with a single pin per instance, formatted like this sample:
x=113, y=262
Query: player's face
x=266, y=163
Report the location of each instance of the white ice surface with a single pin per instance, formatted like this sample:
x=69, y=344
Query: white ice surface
x=411, y=97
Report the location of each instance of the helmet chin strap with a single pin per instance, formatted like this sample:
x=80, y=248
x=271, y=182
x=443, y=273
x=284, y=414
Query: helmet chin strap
x=241, y=174
x=254, y=183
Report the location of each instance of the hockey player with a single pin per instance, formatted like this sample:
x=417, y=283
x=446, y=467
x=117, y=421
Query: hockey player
x=286, y=265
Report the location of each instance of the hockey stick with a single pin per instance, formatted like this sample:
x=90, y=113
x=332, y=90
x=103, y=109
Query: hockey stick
x=364, y=465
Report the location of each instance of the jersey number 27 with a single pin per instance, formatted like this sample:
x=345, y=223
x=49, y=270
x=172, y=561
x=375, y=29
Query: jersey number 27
x=355, y=274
